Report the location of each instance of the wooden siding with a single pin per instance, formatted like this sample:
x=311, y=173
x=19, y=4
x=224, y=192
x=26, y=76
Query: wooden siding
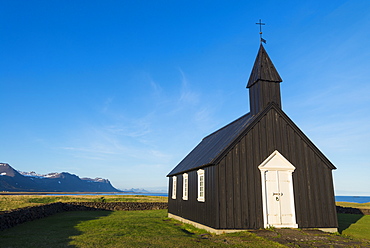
x=239, y=187
x=262, y=93
x=191, y=209
x=239, y=182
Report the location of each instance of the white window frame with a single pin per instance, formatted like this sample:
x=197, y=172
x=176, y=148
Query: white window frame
x=201, y=185
x=185, y=186
x=174, y=188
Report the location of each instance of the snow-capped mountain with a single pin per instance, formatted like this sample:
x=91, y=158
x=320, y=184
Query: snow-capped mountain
x=13, y=180
x=136, y=190
x=30, y=174
x=56, y=175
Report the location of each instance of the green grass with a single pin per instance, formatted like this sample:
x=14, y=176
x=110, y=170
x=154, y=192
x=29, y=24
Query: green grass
x=134, y=228
x=142, y=229
x=120, y=229
x=355, y=225
x=8, y=202
x=52, y=231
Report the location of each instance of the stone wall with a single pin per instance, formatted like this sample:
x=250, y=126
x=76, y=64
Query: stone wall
x=348, y=210
x=14, y=217
x=119, y=206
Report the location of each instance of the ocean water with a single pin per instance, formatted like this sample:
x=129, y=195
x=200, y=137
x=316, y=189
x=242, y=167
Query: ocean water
x=356, y=199
x=149, y=194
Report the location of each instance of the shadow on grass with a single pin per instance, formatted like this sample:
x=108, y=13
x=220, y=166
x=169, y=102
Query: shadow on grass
x=345, y=220
x=52, y=231
x=187, y=232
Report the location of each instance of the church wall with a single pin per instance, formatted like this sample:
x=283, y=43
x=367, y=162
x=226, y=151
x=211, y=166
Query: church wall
x=239, y=181
x=192, y=209
x=233, y=185
x=312, y=179
x=239, y=191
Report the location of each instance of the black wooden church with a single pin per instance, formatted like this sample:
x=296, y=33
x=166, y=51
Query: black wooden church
x=258, y=171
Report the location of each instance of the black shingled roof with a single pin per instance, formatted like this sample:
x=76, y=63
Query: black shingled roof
x=212, y=146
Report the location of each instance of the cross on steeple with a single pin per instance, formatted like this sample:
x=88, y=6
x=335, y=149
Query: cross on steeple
x=261, y=39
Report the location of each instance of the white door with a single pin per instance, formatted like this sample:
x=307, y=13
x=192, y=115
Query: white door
x=278, y=196
x=277, y=191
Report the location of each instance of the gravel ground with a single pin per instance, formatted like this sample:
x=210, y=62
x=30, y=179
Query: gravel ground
x=308, y=238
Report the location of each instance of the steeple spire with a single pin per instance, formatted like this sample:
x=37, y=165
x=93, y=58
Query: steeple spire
x=263, y=69
x=263, y=83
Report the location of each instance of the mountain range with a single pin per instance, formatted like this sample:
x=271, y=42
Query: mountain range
x=16, y=181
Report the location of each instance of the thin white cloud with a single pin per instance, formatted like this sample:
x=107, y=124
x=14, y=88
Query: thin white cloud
x=147, y=138
x=156, y=88
x=88, y=150
x=187, y=96
x=107, y=104
x=132, y=128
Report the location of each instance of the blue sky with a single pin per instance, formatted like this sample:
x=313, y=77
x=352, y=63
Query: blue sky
x=125, y=89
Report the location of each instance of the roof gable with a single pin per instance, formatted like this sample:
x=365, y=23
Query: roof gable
x=286, y=118
x=305, y=139
x=216, y=145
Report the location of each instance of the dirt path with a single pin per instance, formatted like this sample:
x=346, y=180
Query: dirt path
x=308, y=238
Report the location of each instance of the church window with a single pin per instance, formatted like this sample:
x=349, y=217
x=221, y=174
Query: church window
x=185, y=184
x=174, y=187
x=201, y=185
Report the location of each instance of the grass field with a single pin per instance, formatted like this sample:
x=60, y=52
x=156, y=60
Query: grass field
x=8, y=202
x=135, y=228
x=353, y=204
x=354, y=225
x=149, y=228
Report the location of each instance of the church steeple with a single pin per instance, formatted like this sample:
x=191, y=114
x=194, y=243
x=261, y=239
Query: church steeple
x=263, y=83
